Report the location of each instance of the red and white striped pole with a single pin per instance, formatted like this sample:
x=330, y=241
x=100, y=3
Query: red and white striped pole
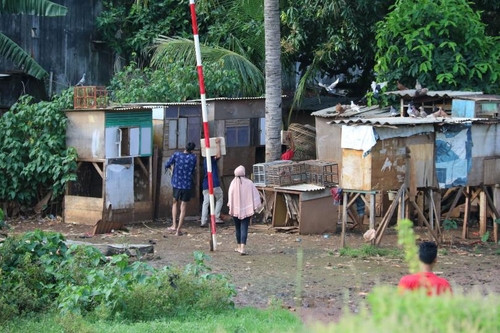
x=206, y=131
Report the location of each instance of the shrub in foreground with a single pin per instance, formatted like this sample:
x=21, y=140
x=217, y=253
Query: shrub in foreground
x=39, y=273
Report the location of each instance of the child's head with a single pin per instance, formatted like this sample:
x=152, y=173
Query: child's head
x=427, y=252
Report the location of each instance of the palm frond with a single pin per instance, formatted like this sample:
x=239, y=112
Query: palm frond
x=301, y=90
x=17, y=55
x=182, y=50
x=32, y=7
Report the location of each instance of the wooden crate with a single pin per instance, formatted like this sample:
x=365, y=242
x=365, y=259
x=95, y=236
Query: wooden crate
x=322, y=173
x=286, y=174
x=260, y=171
x=90, y=97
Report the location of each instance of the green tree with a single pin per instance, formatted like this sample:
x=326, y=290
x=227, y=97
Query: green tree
x=130, y=27
x=231, y=35
x=331, y=38
x=34, y=159
x=172, y=83
x=13, y=52
x=441, y=43
x=182, y=52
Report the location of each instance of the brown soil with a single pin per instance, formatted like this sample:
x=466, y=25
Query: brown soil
x=327, y=282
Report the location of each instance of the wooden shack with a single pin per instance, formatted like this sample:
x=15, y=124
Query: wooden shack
x=419, y=154
x=114, y=175
x=476, y=106
x=239, y=120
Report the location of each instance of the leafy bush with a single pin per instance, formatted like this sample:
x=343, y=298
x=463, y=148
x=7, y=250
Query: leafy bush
x=34, y=159
x=26, y=265
x=176, y=83
x=38, y=272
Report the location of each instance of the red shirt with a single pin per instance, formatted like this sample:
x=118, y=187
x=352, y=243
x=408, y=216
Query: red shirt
x=430, y=281
x=288, y=155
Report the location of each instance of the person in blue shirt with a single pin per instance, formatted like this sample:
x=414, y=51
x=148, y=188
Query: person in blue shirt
x=182, y=180
x=218, y=194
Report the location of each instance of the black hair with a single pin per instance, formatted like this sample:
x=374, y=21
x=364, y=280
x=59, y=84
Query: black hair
x=190, y=146
x=427, y=252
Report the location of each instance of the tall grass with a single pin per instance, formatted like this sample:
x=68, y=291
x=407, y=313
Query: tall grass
x=415, y=312
x=367, y=251
x=237, y=320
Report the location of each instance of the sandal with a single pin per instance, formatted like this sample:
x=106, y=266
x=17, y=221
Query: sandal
x=243, y=253
x=237, y=250
x=178, y=233
x=171, y=229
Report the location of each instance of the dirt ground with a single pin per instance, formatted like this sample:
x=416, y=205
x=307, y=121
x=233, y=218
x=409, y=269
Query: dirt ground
x=318, y=289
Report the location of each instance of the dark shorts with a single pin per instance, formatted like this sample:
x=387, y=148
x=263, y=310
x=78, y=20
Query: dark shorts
x=182, y=194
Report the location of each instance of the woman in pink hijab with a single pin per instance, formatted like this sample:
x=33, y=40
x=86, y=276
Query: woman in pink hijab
x=243, y=200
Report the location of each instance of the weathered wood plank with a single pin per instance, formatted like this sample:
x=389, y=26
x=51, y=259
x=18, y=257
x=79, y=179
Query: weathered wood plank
x=82, y=210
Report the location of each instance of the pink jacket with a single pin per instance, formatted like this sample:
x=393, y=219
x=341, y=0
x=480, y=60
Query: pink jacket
x=244, y=198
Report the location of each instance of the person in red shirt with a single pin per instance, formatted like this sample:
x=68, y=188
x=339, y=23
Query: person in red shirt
x=426, y=279
x=288, y=154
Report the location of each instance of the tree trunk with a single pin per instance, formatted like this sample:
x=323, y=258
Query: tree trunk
x=273, y=79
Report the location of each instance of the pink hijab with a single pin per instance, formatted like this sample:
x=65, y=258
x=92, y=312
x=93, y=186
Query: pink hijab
x=244, y=198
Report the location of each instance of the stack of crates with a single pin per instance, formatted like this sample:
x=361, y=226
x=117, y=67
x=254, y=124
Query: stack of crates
x=90, y=97
x=260, y=171
x=286, y=174
x=322, y=173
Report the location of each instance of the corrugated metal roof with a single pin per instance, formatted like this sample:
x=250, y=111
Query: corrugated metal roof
x=403, y=121
x=159, y=104
x=236, y=98
x=435, y=93
x=115, y=108
x=364, y=112
x=481, y=97
x=302, y=187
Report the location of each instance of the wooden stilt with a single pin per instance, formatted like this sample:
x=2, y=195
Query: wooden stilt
x=372, y=214
x=372, y=211
x=420, y=203
x=431, y=208
x=387, y=217
x=496, y=203
x=454, y=203
x=344, y=219
x=466, y=212
x=482, y=214
x=427, y=224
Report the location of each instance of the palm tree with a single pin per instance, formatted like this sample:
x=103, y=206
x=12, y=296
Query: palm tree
x=181, y=50
x=13, y=52
x=273, y=79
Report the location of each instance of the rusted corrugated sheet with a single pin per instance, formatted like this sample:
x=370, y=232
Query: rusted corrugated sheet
x=405, y=121
x=433, y=93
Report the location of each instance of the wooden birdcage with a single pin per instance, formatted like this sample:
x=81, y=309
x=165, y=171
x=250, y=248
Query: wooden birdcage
x=90, y=97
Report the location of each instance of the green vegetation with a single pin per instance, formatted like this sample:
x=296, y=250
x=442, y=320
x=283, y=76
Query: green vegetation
x=367, y=251
x=235, y=320
x=406, y=238
x=3, y=224
x=173, y=83
x=441, y=43
x=34, y=159
x=39, y=273
x=416, y=312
